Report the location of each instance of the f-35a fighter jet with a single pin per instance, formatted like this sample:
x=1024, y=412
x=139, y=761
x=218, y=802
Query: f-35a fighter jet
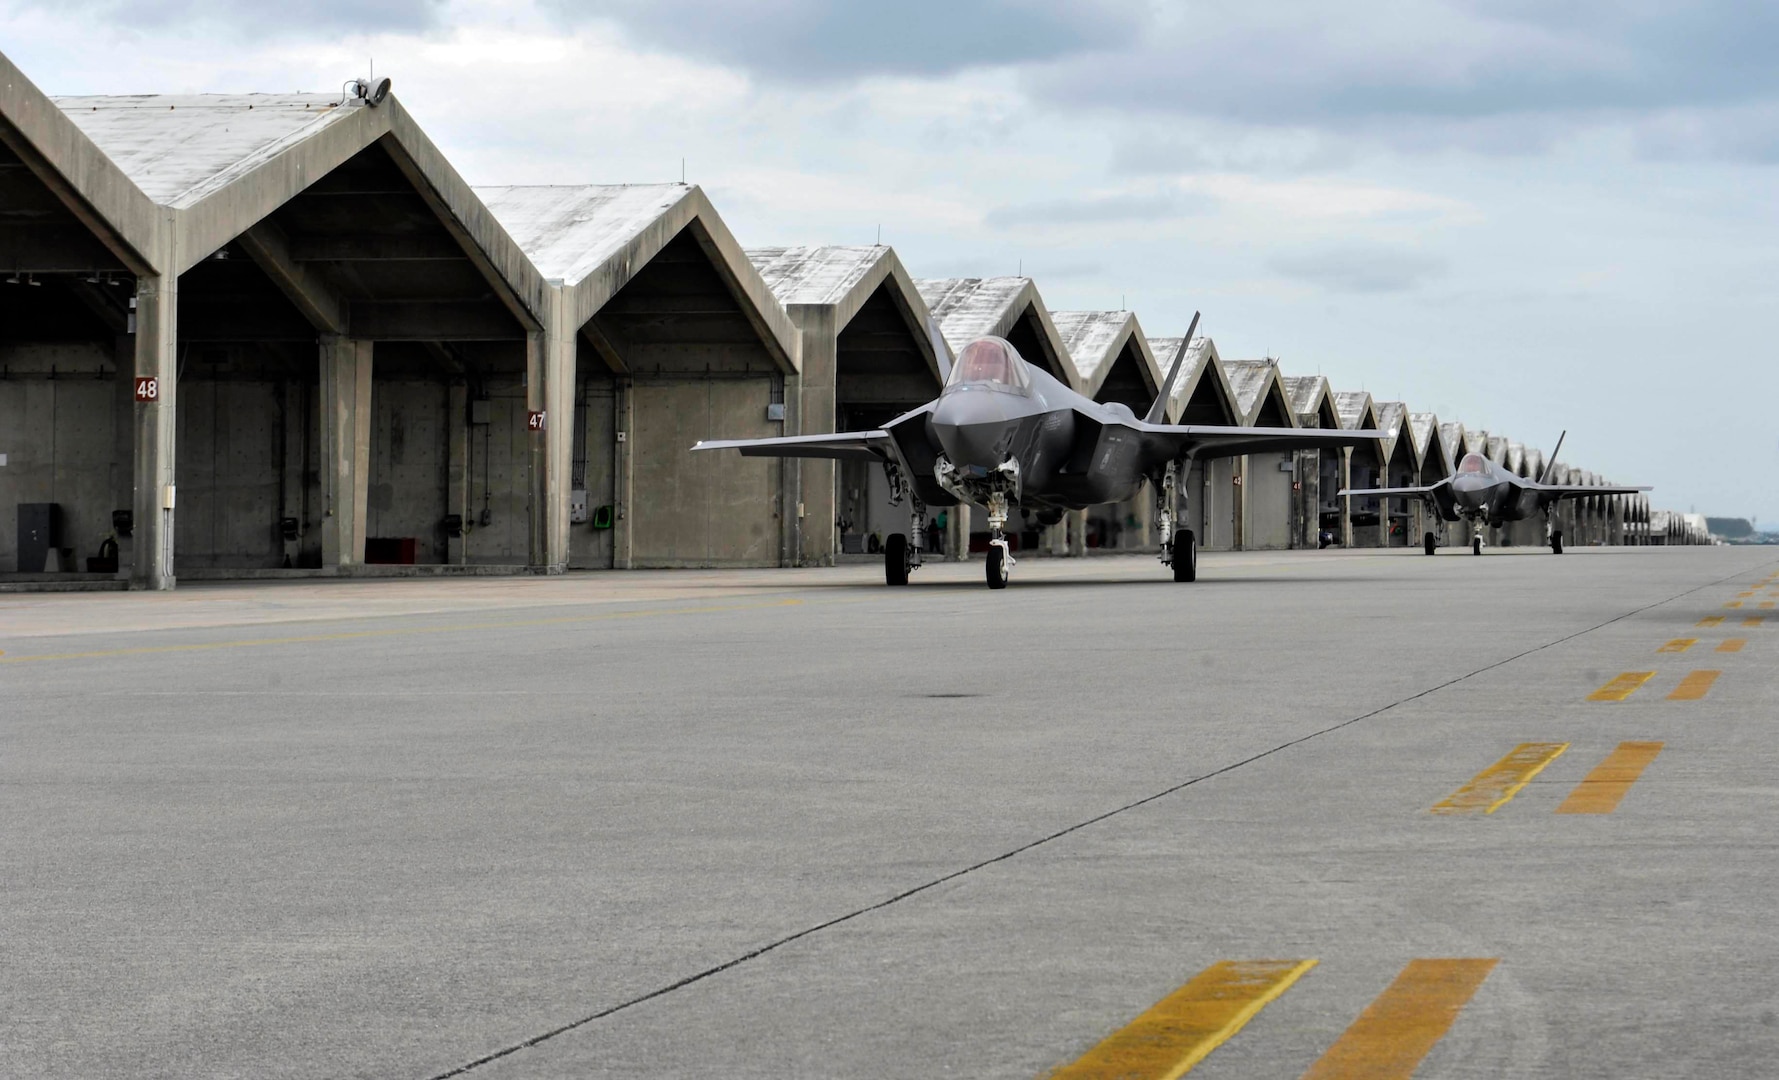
x=1482, y=492
x=1004, y=434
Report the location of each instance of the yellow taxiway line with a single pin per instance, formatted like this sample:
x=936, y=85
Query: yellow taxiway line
x=1601, y=790
x=1491, y=789
x=1755, y=620
x=1181, y=1030
x=1622, y=687
x=1679, y=644
x=1731, y=644
x=1694, y=686
x=1711, y=620
x=1397, y=1029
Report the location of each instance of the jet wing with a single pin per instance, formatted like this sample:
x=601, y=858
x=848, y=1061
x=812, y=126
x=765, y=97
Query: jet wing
x=1580, y=491
x=1201, y=441
x=1395, y=493
x=840, y=445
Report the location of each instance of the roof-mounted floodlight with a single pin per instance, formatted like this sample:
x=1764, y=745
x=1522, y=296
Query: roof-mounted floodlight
x=370, y=93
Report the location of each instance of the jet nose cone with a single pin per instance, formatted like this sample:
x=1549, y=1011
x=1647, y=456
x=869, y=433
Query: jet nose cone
x=1472, y=491
x=973, y=428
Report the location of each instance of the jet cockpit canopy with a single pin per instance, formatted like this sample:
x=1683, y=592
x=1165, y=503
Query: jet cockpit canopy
x=1474, y=463
x=991, y=363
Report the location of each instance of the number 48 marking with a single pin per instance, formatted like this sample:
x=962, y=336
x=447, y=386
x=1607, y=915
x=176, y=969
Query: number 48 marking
x=148, y=389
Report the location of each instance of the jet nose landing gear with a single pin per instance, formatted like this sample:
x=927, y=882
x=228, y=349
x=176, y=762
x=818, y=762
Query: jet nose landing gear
x=1000, y=558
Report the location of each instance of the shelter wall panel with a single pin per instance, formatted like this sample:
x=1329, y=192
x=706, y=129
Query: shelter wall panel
x=410, y=462
x=1269, y=494
x=229, y=482
x=500, y=477
x=1219, y=504
x=595, y=460
x=59, y=440
x=715, y=509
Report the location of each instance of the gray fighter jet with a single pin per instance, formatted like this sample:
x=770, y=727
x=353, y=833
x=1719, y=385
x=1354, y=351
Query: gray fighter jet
x=1482, y=492
x=1004, y=434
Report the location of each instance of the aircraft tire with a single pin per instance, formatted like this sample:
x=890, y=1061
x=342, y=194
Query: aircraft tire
x=1185, y=556
x=997, y=568
x=895, y=560
x=1476, y=545
x=1429, y=543
x=1556, y=543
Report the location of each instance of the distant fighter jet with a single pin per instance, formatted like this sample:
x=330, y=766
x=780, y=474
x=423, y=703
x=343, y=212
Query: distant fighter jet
x=1005, y=434
x=1483, y=493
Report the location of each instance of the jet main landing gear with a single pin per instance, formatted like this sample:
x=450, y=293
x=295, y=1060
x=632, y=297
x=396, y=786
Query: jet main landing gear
x=900, y=556
x=1000, y=559
x=1429, y=543
x=1178, y=549
x=1476, y=545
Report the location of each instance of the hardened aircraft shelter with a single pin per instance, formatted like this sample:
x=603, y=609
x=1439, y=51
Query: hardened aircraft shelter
x=278, y=334
x=663, y=333
x=867, y=357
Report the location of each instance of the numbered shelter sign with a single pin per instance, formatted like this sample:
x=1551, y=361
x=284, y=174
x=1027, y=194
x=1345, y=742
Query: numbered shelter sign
x=534, y=420
x=147, y=389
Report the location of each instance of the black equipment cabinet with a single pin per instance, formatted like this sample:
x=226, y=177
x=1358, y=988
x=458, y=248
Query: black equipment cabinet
x=40, y=530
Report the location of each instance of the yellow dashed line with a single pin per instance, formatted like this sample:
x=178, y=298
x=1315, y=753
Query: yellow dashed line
x=1754, y=621
x=1711, y=620
x=1694, y=686
x=1182, y=1029
x=1491, y=789
x=1764, y=604
x=1732, y=644
x=1734, y=604
x=1679, y=644
x=351, y=635
x=1602, y=789
x=1397, y=1029
x=1622, y=687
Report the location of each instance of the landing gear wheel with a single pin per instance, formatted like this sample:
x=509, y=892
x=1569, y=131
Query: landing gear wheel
x=1185, y=556
x=1476, y=545
x=1429, y=544
x=895, y=560
x=1556, y=543
x=997, y=567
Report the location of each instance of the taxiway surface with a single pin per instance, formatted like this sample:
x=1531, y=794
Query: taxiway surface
x=796, y=824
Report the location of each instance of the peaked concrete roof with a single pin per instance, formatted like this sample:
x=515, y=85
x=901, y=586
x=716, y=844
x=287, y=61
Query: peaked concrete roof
x=1355, y=409
x=593, y=238
x=843, y=278
x=1095, y=340
x=1392, y=420
x=179, y=148
x=1495, y=448
x=1451, y=436
x=1253, y=382
x=1311, y=396
x=1430, y=445
x=1516, y=458
x=970, y=308
x=77, y=172
x=211, y=166
x=1203, y=366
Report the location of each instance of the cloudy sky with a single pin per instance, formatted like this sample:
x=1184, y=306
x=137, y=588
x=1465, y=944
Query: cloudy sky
x=1523, y=215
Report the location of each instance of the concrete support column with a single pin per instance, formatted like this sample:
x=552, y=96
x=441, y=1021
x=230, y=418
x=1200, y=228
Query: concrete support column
x=1145, y=538
x=791, y=479
x=549, y=390
x=345, y=415
x=1346, y=501
x=623, y=423
x=817, y=410
x=123, y=446
x=457, y=471
x=156, y=427
x=1242, y=525
x=1077, y=523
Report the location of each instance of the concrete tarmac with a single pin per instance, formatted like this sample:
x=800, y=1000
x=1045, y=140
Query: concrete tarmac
x=797, y=824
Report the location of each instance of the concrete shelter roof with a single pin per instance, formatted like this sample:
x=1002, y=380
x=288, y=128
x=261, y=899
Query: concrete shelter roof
x=178, y=148
x=1451, y=436
x=1355, y=409
x=842, y=278
x=1095, y=340
x=593, y=238
x=1424, y=428
x=1311, y=397
x=1392, y=417
x=1516, y=458
x=1496, y=449
x=1203, y=365
x=78, y=173
x=1253, y=381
